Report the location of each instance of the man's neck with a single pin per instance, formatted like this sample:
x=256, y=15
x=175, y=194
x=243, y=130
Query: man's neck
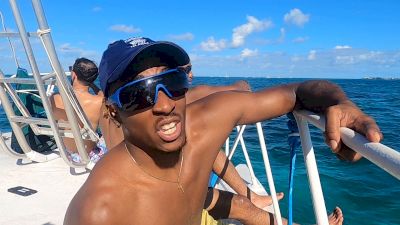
x=79, y=87
x=153, y=159
x=162, y=166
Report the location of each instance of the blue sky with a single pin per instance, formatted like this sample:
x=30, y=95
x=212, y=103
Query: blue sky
x=288, y=38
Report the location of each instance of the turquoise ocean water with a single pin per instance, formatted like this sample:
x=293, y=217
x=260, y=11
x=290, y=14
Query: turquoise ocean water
x=366, y=194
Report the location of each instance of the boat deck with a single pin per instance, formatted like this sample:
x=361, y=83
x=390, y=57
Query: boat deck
x=54, y=181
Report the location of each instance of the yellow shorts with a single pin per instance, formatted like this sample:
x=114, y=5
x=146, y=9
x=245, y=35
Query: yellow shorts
x=206, y=219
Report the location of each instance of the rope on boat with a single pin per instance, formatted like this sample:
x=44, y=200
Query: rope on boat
x=41, y=32
x=294, y=143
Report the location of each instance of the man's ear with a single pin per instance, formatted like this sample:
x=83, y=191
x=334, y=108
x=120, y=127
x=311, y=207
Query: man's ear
x=73, y=77
x=113, y=113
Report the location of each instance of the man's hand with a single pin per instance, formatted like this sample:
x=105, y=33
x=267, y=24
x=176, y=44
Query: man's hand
x=348, y=115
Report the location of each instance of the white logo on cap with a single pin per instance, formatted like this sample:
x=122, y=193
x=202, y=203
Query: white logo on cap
x=133, y=42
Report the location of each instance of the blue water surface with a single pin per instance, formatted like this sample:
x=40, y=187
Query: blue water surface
x=366, y=194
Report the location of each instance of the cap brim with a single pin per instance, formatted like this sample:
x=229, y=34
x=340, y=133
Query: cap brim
x=159, y=54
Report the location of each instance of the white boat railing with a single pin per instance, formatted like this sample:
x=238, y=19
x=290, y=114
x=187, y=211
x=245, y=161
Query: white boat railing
x=263, y=146
x=384, y=157
x=381, y=155
x=312, y=171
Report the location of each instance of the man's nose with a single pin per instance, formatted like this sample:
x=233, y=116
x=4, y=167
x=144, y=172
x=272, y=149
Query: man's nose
x=164, y=104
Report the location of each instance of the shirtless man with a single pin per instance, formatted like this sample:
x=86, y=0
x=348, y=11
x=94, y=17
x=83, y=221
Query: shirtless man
x=83, y=74
x=236, y=206
x=159, y=174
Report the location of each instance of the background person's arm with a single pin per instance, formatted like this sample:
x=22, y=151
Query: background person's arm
x=202, y=91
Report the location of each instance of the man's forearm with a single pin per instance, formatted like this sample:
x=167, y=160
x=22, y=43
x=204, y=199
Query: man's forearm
x=319, y=95
x=227, y=171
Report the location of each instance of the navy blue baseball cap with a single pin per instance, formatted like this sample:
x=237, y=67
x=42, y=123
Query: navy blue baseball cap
x=141, y=53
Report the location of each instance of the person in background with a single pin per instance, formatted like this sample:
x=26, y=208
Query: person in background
x=83, y=74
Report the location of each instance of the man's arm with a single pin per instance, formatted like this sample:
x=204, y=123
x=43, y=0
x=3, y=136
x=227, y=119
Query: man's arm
x=91, y=206
x=58, y=107
x=227, y=171
x=339, y=112
x=318, y=96
x=202, y=91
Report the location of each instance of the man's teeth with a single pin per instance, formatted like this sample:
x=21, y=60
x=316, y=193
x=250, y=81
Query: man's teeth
x=169, y=128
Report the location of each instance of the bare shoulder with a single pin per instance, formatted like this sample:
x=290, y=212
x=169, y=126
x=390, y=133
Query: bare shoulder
x=90, y=103
x=209, y=121
x=92, y=204
x=56, y=100
x=97, y=100
x=216, y=106
x=99, y=200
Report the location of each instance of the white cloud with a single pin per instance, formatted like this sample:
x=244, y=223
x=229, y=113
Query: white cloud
x=182, y=37
x=248, y=53
x=342, y=47
x=211, y=45
x=347, y=59
x=370, y=55
x=296, y=17
x=358, y=56
x=300, y=39
x=282, y=37
x=360, y=62
x=96, y=9
x=10, y=29
x=125, y=28
x=295, y=58
x=252, y=25
x=312, y=55
x=67, y=48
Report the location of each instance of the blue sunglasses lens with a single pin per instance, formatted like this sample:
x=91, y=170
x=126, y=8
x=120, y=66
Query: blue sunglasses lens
x=141, y=94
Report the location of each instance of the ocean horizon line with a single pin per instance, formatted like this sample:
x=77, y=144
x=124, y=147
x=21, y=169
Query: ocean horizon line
x=330, y=78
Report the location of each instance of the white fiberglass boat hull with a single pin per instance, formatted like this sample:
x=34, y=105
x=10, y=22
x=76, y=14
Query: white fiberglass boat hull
x=55, y=183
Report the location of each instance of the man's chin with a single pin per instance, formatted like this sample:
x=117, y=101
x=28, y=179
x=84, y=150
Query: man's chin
x=174, y=146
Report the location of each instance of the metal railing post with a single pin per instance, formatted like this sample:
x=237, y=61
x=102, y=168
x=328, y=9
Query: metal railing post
x=268, y=171
x=236, y=142
x=43, y=26
x=35, y=70
x=19, y=135
x=312, y=172
x=246, y=156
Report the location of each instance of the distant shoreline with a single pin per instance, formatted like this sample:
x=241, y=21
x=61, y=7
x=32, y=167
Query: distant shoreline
x=381, y=78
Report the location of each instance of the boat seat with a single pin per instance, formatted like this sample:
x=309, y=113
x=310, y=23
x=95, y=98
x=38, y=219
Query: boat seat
x=30, y=97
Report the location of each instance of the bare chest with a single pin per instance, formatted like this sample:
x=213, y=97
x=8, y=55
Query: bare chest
x=163, y=204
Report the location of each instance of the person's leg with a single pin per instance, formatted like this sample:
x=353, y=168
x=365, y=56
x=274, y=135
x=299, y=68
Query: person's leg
x=224, y=205
x=218, y=203
x=226, y=171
